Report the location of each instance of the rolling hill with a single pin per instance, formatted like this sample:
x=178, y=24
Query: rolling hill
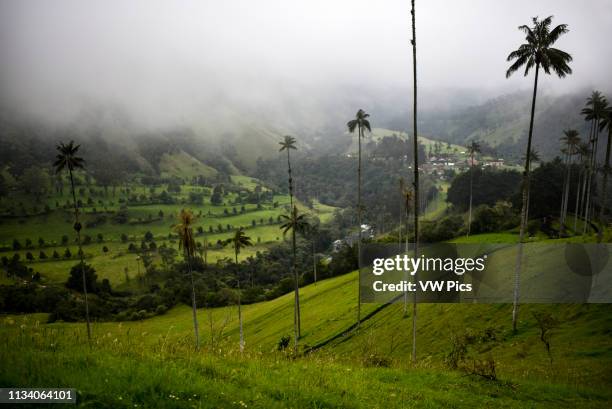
x=346, y=368
x=503, y=122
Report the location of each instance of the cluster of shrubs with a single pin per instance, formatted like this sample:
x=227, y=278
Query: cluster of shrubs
x=67, y=254
x=485, y=219
x=14, y=267
x=443, y=229
x=66, y=302
x=22, y=211
x=499, y=217
x=264, y=276
x=144, y=246
x=98, y=220
x=87, y=239
x=470, y=352
x=147, y=306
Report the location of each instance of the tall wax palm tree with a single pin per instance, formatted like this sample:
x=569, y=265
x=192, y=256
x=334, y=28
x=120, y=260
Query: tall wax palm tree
x=313, y=232
x=570, y=141
x=534, y=157
x=239, y=241
x=66, y=159
x=536, y=52
x=473, y=149
x=361, y=124
x=606, y=122
x=584, y=152
x=287, y=144
x=187, y=243
x=406, y=204
x=296, y=223
x=203, y=250
x=405, y=199
x=400, y=239
x=415, y=146
x=594, y=111
x=567, y=159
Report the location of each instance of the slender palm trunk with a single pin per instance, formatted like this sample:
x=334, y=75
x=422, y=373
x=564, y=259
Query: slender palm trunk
x=563, y=195
x=591, y=176
x=577, y=207
x=569, y=186
x=241, y=342
x=295, y=316
x=77, y=227
x=360, y=132
x=416, y=178
x=406, y=252
x=400, y=239
x=524, y=210
x=604, y=185
x=587, y=204
x=401, y=211
x=563, y=192
x=587, y=194
x=290, y=179
x=297, y=323
x=567, y=189
x=584, y=190
x=594, y=174
x=314, y=262
x=528, y=206
x=469, y=227
x=193, y=302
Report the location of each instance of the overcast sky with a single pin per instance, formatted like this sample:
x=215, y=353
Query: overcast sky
x=178, y=54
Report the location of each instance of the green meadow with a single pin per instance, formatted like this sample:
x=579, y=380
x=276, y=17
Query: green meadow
x=108, y=247
x=152, y=363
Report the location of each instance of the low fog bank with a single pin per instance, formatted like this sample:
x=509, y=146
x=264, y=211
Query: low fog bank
x=286, y=66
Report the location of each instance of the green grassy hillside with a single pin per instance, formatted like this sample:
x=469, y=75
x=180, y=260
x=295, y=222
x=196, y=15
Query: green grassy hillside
x=379, y=133
x=184, y=165
x=503, y=122
x=212, y=222
x=329, y=309
x=343, y=371
x=119, y=374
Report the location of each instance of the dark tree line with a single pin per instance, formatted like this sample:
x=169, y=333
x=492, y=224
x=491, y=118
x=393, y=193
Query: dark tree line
x=331, y=180
x=264, y=276
x=492, y=186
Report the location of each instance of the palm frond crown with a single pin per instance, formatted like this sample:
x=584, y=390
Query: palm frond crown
x=360, y=122
x=584, y=150
x=474, y=148
x=596, y=107
x=287, y=143
x=184, y=229
x=606, y=120
x=534, y=156
x=571, y=139
x=66, y=157
x=239, y=240
x=295, y=221
x=538, y=50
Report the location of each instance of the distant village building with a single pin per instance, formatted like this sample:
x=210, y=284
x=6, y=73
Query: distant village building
x=439, y=166
x=367, y=232
x=337, y=245
x=495, y=163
